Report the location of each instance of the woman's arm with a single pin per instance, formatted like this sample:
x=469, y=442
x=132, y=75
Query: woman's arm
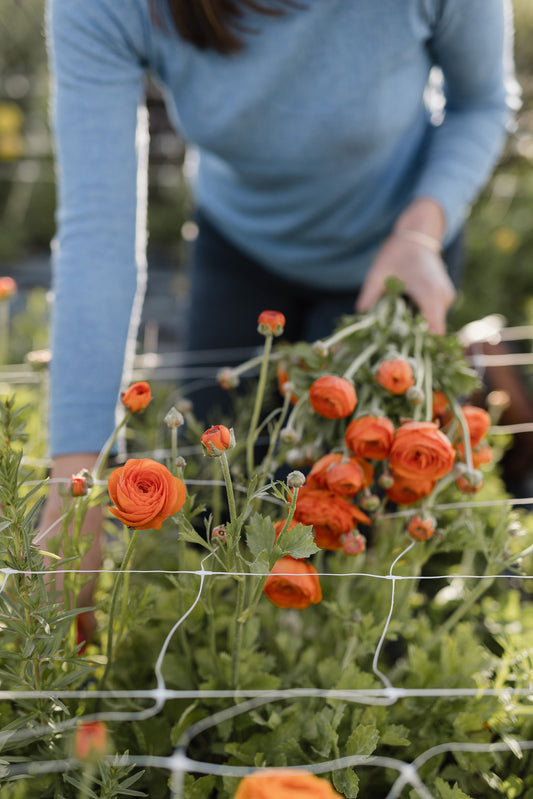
x=97, y=82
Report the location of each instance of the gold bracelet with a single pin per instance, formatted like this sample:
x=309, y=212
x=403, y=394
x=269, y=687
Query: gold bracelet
x=429, y=242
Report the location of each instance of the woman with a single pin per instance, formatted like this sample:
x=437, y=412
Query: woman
x=321, y=170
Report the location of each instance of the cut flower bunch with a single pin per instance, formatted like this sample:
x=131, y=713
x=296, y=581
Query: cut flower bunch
x=341, y=538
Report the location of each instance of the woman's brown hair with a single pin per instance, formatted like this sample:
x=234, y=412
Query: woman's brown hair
x=216, y=24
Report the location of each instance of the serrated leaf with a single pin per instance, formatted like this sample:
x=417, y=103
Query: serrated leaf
x=260, y=535
x=447, y=792
x=395, y=735
x=363, y=740
x=298, y=542
x=347, y=783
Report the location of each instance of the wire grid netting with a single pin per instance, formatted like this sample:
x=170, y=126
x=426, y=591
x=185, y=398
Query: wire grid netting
x=179, y=762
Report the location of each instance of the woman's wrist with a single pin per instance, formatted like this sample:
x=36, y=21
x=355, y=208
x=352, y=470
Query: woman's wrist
x=424, y=220
x=430, y=243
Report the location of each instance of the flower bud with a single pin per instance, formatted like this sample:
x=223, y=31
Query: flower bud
x=217, y=440
x=295, y=479
x=353, y=543
x=470, y=481
x=8, y=287
x=174, y=418
x=415, y=395
x=421, y=527
x=289, y=435
x=181, y=463
x=38, y=359
x=137, y=397
x=227, y=378
x=386, y=480
x=78, y=485
x=321, y=349
x=91, y=740
x=270, y=323
x=370, y=502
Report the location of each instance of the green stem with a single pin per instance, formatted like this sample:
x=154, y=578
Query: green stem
x=237, y=634
x=459, y=415
x=229, y=490
x=463, y=608
x=428, y=387
x=364, y=356
x=114, y=595
x=275, y=435
x=368, y=321
x=4, y=331
x=252, y=433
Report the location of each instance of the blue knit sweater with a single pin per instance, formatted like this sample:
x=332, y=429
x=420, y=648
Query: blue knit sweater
x=311, y=141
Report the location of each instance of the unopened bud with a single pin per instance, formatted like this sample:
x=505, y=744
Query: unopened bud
x=289, y=435
x=386, y=480
x=353, y=543
x=219, y=533
x=370, y=502
x=415, y=395
x=174, y=418
x=295, y=479
x=227, y=378
x=181, y=463
x=320, y=348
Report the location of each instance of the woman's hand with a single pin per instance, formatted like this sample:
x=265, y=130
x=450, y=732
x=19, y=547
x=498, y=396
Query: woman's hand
x=412, y=254
x=423, y=274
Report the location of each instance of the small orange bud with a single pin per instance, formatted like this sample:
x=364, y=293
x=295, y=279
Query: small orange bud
x=353, y=543
x=137, y=396
x=270, y=323
x=421, y=528
x=78, y=485
x=91, y=740
x=217, y=440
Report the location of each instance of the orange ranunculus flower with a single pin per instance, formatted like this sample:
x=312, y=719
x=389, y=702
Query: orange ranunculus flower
x=8, y=287
x=285, y=784
x=270, y=323
x=137, y=397
x=370, y=437
x=145, y=494
x=421, y=528
x=293, y=584
x=283, y=377
x=343, y=476
x=478, y=421
x=395, y=375
x=333, y=397
x=91, y=740
x=405, y=492
x=330, y=515
x=420, y=451
x=216, y=440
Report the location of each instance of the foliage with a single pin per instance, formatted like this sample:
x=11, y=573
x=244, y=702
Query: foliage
x=378, y=671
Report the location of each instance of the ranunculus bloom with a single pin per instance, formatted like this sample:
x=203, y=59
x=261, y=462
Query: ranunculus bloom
x=333, y=397
x=137, y=396
x=420, y=451
x=404, y=491
x=90, y=740
x=343, y=476
x=293, y=584
x=420, y=528
x=478, y=421
x=285, y=784
x=145, y=494
x=8, y=287
x=395, y=375
x=271, y=323
x=370, y=437
x=216, y=438
x=330, y=515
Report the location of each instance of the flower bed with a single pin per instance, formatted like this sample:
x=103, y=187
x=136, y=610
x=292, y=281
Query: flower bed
x=333, y=581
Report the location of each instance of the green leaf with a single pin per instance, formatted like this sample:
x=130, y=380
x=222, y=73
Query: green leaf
x=395, y=735
x=447, y=792
x=347, y=783
x=260, y=535
x=200, y=788
x=363, y=740
x=299, y=542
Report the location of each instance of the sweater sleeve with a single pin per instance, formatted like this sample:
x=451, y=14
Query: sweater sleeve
x=97, y=82
x=472, y=45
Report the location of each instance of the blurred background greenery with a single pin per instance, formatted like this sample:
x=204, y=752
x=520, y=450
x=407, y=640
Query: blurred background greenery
x=499, y=247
